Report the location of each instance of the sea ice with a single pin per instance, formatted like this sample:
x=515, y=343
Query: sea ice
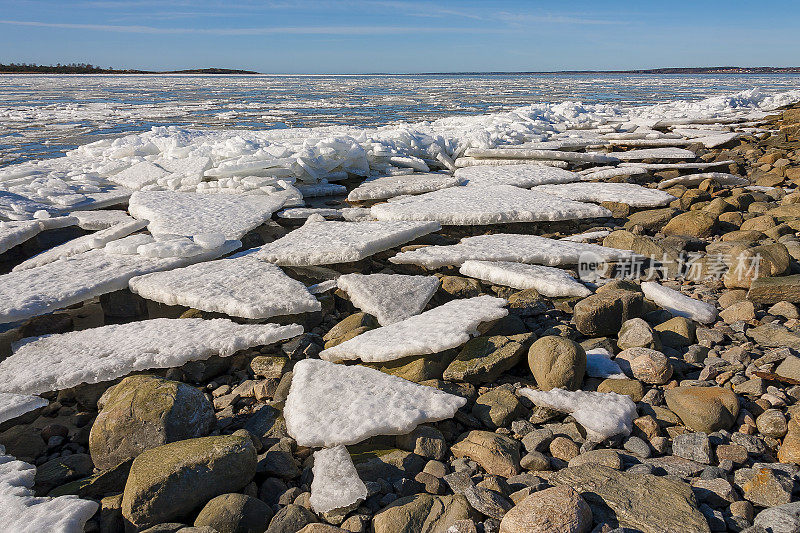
x=626, y=193
x=508, y=247
x=336, y=484
x=606, y=173
x=690, y=180
x=441, y=328
x=466, y=162
x=600, y=365
x=100, y=219
x=587, y=236
x=14, y=405
x=391, y=186
x=17, y=207
x=648, y=142
x=699, y=165
x=299, y=213
x=321, y=189
x=139, y=175
x=548, y=281
x=331, y=404
x=61, y=361
x=389, y=297
x=532, y=153
x=322, y=243
x=679, y=304
x=13, y=233
x=241, y=286
x=655, y=153
x=464, y=206
x=525, y=176
x=602, y=414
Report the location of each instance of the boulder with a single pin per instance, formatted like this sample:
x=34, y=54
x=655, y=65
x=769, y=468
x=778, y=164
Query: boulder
x=704, y=409
x=693, y=224
x=557, y=362
x=235, y=513
x=484, y=359
x=554, y=510
x=497, y=408
x=497, y=454
x=776, y=289
x=649, y=366
x=603, y=313
x=421, y=513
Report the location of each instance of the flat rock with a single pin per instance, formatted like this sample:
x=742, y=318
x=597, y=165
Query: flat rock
x=497, y=454
x=421, y=513
x=705, y=409
x=484, y=359
x=766, y=290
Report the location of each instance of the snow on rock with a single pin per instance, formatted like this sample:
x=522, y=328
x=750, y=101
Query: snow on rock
x=61, y=361
x=331, y=404
x=600, y=365
x=679, y=304
x=444, y=327
x=655, y=153
x=336, y=484
x=137, y=176
x=391, y=186
x=240, y=286
x=548, y=281
x=183, y=213
x=100, y=219
x=626, y=193
x=323, y=243
x=508, y=247
x=525, y=176
x=691, y=180
x=70, y=281
x=14, y=405
x=602, y=414
x=532, y=153
x=22, y=512
x=13, y=233
x=485, y=205
x=389, y=297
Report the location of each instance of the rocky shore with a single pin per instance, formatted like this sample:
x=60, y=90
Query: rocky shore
x=664, y=400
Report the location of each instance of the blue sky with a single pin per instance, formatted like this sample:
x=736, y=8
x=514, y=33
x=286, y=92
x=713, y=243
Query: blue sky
x=356, y=36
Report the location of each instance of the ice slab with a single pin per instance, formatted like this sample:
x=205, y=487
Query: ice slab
x=61, y=361
x=389, y=297
x=14, y=405
x=100, y=219
x=498, y=204
x=602, y=414
x=441, y=328
x=587, y=236
x=679, y=166
x=391, y=186
x=322, y=243
x=524, y=176
x=600, y=365
x=240, y=286
x=679, y=304
x=690, y=180
x=548, y=281
x=18, y=207
x=336, y=484
x=183, y=213
x=137, y=176
x=331, y=404
x=466, y=162
x=655, y=153
x=72, y=280
x=300, y=213
x=713, y=141
x=649, y=142
x=607, y=173
x=532, y=153
x=508, y=247
x=626, y=193
x=13, y=233
x=22, y=512
x=321, y=189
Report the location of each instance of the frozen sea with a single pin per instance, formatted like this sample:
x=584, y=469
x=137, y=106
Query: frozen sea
x=44, y=116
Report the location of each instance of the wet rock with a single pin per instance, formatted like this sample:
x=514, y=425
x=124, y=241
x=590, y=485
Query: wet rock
x=484, y=359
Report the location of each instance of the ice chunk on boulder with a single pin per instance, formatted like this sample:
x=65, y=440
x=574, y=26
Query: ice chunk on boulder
x=100, y=219
x=139, y=175
x=389, y=297
x=508, y=247
x=444, y=327
x=14, y=405
x=498, y=204
x=548, y=281
x=679, y=304
x=331, y=404
x=602, y=414
x=655, y=153
x=692, y=180
x=600, y=365
x=322, y=243
x=62, y=361
x=525, y=176
x=626, y=193
x=336, y=484
x=391, y=186
x=241, y=286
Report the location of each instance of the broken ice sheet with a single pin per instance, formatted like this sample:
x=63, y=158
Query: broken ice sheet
x=100, y=219
x=13, y=233
x=655, y=153
x=14, y=405
x=391, y=186
x=548, y=281
x=691, y=180
x=626, y=193
x=336, y=484
x=389, y=297
x=679, y=304
x=525, y=176
x=600, y=365
x=331, y=404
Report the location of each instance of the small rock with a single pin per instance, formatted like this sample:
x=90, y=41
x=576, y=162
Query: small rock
x=649, y=366
x=554, y=510
x=497, y=454
x=693, y=446
x=497, y=408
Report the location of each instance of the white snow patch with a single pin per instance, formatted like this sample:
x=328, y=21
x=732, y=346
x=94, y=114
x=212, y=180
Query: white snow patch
x=389, y=297
x=525, y=176
x=679, y=304
x=548, y=281
x=391, y=186
x=336, y=484
x=626, y=193
x=600, y=365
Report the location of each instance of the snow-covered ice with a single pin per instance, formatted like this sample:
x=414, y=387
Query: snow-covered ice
x=532, y=153
x=486, y=205
x=466, y=162
x=690, y=180
x=137, y=176
x=100, y=219
x=389, y=297
x=61, y=361
x=391, y=186
x=14, y=405
x=439, y=329
x=331, y=404
x=655, y=153
x=13, y=233
x=587, y=236
x=548, y=281
x=626, y=193
x=239, y=286
x=525, y=176
x=602, y=414
x=679, y=304
x=322, y=243
x=336, y=484
x=600, y=365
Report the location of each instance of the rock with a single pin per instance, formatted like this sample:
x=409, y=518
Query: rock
x=554, y=510
x=772, y=423
x=388, y=464
x=487, y=502
x=235, y=513
x=421, y=513
x=563, y=448
x=629, y=500
x=23, y=443
x=717, y=492
x=535, y=462
x=322, y=528
x=780, y=519
x=497, y=454
x=677, y=332
x=94, y=486
x=768, y=488
x=651, y=219
x=460, y=287
x=497, y=408
x=603, y=313
x=783, y=309
x=290, y=519
x=705, y=409
x=557, y=362
x=789, y=452
x=425, y=441
x=172, y=480
x=608, y=458
x=770, y=290
x=143, y=412
x=692, y=223
x=649, y=366
x=269, y=366
x=774, y=336
x=416, y=368
x=789, y=368
x=61, y=470
x=484, y=359
x=693, y=446
x=629, y=387
x=350, y=327
x=636, y=333
x=746, y=264
x=739, y=311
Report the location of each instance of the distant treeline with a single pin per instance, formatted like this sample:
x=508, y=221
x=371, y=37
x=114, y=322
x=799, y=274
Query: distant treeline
x=88, y=68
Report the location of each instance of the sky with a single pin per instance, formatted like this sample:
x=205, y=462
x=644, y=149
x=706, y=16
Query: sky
x=403, y=36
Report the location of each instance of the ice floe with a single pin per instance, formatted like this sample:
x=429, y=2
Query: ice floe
x=691, y=180
x=100, y=219
x=587, y=236
x=336, y=484
x=532, y=153
x=331, y=404
x=14, y=405
x=389, y=297
x=62, y=361
x=655, y=153
x=239, y=286
x=524, y=176
x=441, y=328
x=602, y=414
x=626, y=193
x=466, y=162
x=679, y=304
x=13, y=233
x=322, y=243
x=391, y=186
x=548, y=281
x=137, y=176
x=485, y=205
x=600, y=365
